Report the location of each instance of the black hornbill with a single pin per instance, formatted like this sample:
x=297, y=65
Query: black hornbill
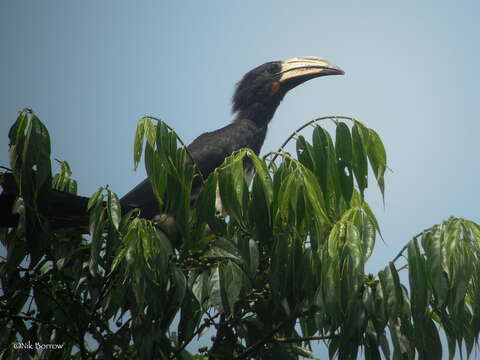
x=255, y=100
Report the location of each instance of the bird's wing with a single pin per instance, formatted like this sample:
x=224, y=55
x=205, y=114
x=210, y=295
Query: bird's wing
x=209, y=150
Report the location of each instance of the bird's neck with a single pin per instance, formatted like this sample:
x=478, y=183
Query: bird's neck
x=252, y=134
x=259, y=113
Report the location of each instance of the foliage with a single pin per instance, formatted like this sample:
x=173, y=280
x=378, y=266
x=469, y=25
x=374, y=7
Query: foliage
x=282, y=269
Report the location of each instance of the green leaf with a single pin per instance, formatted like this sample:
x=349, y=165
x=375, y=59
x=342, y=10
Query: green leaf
x=138, y=143
x=223, y=249
x=371, y=217
x=96, y=222
x=392, y=290
x=368, y=301
x=279, y=270
x=180, y=290
x=307, y=354
x=384, y=345
x=17, y=140
x=360, y=164
x=313, y=195
x=432, y=244
x=333, y=347
x=400, y=341
x=231, y=284
x=228, y=189
x=378, y=158
x=331, y=282
x=321, y=149
x=433, y=343
x=200, y=288
x=205, y=206
x=214, y=292
x=305, y=153
x=260, y=208
x=369, y=236
x=343, y=148
x=114, y=209
x=63, y=181
x=254, y=256
x=41, y=150
x=95, y=198
x=190, y=317
x=157, y=174
x=334, y=240
x=355, y=248
x=327, y=170
x=418, y=283
x=475, y=229
x=262, y=173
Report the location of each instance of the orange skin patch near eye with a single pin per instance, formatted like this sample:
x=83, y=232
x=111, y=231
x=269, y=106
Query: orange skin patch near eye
x=275, y=87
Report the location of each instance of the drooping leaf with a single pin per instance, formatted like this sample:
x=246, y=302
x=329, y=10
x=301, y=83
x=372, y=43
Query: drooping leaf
x=378, y=158
x=232, y=186
x=279, y=268
x=200, y=288
x=321, y=149
x=254, y=256
x=138, y=144
x=214, y=290
x=371, y=217
x=305, y=153
x=392, y=290
x=114, y=209
x=355, y=247
x=231, y=284
x=63, y=180
x=432, y=244
x=418, y=283
x=190, y=316
x=343, y=149
x=369, y=235
x=433, y=343
x=360, y=165
x=95, y=198
x=180, y=289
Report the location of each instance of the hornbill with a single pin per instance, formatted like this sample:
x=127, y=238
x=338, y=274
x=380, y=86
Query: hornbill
x=254, y=102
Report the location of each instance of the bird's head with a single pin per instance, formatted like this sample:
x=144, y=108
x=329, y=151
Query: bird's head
x=260, y=91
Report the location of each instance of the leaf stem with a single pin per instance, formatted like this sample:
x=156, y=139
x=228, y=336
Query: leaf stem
x=420, y=234
x=332, y=117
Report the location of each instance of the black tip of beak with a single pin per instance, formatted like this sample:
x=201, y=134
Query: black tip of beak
x=334, y=70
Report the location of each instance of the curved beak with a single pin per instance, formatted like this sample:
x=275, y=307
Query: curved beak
x=300, y=69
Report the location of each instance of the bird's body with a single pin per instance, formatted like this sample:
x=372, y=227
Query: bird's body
x=208, y=151
x=255, y=101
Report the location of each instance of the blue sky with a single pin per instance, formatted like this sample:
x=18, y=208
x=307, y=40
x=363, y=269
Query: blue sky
x=91, y=69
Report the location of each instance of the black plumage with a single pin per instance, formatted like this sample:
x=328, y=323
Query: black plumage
x=254, y=102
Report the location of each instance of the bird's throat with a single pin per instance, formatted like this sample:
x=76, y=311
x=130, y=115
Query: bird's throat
x=258, y=113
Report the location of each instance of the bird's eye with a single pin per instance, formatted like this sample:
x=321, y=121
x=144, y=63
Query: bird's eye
x=272, y=68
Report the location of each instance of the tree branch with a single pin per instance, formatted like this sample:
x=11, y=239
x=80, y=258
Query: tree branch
x=259, y=343
x=305, y=339
x=417, y=236
x=333, y=117
x=25, y=317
